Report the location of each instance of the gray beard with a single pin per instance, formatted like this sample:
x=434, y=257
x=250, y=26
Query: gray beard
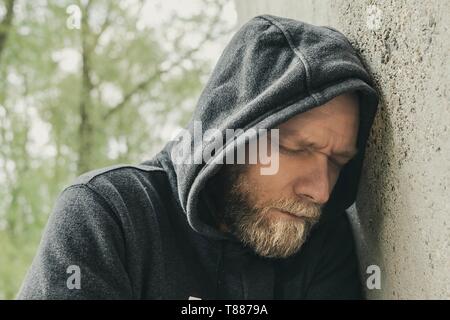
x=267, y=236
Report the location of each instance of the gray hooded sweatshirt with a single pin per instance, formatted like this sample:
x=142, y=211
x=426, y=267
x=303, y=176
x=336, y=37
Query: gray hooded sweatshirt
x=144, y=231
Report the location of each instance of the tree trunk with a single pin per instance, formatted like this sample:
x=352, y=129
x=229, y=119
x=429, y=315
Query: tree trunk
x=85, y=130
x=6, y=24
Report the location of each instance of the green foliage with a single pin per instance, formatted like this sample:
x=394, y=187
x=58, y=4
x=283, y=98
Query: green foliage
x=73, y=100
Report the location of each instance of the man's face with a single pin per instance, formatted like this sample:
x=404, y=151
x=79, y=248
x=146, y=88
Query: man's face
x=273, y=214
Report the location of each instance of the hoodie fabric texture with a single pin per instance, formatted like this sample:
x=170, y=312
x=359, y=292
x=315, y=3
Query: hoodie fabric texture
x=144, y=231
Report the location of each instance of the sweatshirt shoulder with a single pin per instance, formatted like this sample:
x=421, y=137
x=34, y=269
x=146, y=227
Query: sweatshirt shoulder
x=121, y=181
x=115, y=171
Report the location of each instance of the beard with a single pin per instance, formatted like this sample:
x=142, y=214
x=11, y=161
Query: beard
x=251, y=222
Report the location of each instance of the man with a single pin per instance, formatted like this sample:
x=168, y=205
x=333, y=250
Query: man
x=176, y=229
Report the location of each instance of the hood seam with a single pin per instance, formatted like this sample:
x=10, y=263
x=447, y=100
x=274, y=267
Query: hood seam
x=297, y=52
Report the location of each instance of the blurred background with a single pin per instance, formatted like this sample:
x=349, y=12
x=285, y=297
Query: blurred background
x=86, y=84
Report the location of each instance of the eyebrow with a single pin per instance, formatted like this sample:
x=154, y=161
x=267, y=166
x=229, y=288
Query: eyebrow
x=346, y=153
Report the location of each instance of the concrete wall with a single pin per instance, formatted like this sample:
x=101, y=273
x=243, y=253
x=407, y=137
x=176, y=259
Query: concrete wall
x=402, y=211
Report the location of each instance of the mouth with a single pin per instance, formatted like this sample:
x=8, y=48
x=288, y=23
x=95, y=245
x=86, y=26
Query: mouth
x=290, y=214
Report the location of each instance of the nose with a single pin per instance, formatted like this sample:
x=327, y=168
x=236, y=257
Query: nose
x=314, y=180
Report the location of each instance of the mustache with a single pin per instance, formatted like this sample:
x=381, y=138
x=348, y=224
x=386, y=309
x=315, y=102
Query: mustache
x=303, y=209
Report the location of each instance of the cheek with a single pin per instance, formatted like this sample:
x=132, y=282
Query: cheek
x=267, y=186
x=291, y=166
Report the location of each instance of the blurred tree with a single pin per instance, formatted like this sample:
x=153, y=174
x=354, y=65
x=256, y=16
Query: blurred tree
x=5, y=23
x=86, y=84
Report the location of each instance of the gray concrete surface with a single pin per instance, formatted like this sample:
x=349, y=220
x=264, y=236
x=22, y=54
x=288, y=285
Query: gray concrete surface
x=402, y=212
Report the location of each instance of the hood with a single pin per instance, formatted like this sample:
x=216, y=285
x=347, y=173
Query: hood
x=272, y=69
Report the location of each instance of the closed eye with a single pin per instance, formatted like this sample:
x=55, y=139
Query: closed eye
x=294, y=152
x=289, y=151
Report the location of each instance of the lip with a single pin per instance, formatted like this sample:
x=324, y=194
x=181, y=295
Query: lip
x=287, y=213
